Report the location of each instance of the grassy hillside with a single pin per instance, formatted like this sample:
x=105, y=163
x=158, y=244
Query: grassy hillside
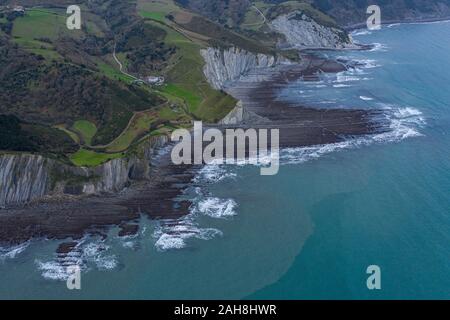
x=69, y=82
x=186, y=82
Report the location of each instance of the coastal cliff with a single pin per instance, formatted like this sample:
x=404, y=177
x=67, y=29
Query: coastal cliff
x=303, y=32
x=28, y=177
x=225, y=66
x=23, y=178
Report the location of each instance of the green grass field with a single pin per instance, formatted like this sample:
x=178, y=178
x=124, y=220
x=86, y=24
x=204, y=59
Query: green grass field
x=86, y=130
x=158, y=16
x=187, y=81
x=112, y=72
x=39, y=24
x=71, y=134
x=87, y=158
x=156, y=6
x=192, y=100
x=188, y=93
x=139, y=125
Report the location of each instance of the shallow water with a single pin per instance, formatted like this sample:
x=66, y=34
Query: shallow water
x=312, y=230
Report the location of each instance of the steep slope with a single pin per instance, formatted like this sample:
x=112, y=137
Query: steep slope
x=353, y=12
x=345, y=12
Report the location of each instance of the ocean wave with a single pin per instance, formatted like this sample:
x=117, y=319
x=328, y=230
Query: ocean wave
x=214, y=172
x=362, y=32
x=129, y=245
x=86, y=254
x=12, y=252
x=341, y=85
x=95, y=252
x=57, y=269
x=129, y=241
x=368, y=63
x=173, y=234
x=365, y=98
x=328, y=102
x=429, y=22
x=349, y=76
x=344, y=77
x=378, y=47
x=217, y=208
x=404, y=123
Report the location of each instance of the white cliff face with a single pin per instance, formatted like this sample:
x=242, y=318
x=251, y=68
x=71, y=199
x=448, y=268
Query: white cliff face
x=300, y=31
x=225, y=66
x=240, y=115
x=27, y=177
x=112, y=176
x=22, y=178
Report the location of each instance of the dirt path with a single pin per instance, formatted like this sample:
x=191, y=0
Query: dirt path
x=120, y=64
x=259, y=23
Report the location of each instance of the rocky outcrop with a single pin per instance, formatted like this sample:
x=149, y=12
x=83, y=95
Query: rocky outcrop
x=27, y=177
x=223, y=67
x=302, y=32
x=23, y=178
x=241, y=115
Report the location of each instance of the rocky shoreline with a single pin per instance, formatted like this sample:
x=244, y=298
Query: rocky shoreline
x=159, y=196
x=300, y=125
x=73, y=217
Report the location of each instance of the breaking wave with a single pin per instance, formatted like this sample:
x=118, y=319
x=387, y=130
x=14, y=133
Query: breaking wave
x=12, y=252
x=379, y=47
x=85, y=255
x=173, y=233
x=214, y=172
x=403, y=123
x=217, y=208
x=362, y=32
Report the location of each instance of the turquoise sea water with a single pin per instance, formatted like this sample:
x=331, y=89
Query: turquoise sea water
x=312, y=230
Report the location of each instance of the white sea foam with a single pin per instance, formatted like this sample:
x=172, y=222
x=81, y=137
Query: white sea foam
x=345, y=77
x=403, y=122
x=214, y=172
x=129, y=241
x=341, y=85
x=365, y=98
x=217, y=208
x=352, y=75
x=86, y=254
x=328, y=102
x=367, y=63
x=430, y=22
x=379, y=47
x=362, y=32
x=173, y=234
x=95, y=252
x=53, y=270
x=12, y=252
x=129, y=244
x=406, y=113
x=393, y=25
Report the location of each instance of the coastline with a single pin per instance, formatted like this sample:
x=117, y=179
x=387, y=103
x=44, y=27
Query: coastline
x=359, y=26
x=300, y=126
